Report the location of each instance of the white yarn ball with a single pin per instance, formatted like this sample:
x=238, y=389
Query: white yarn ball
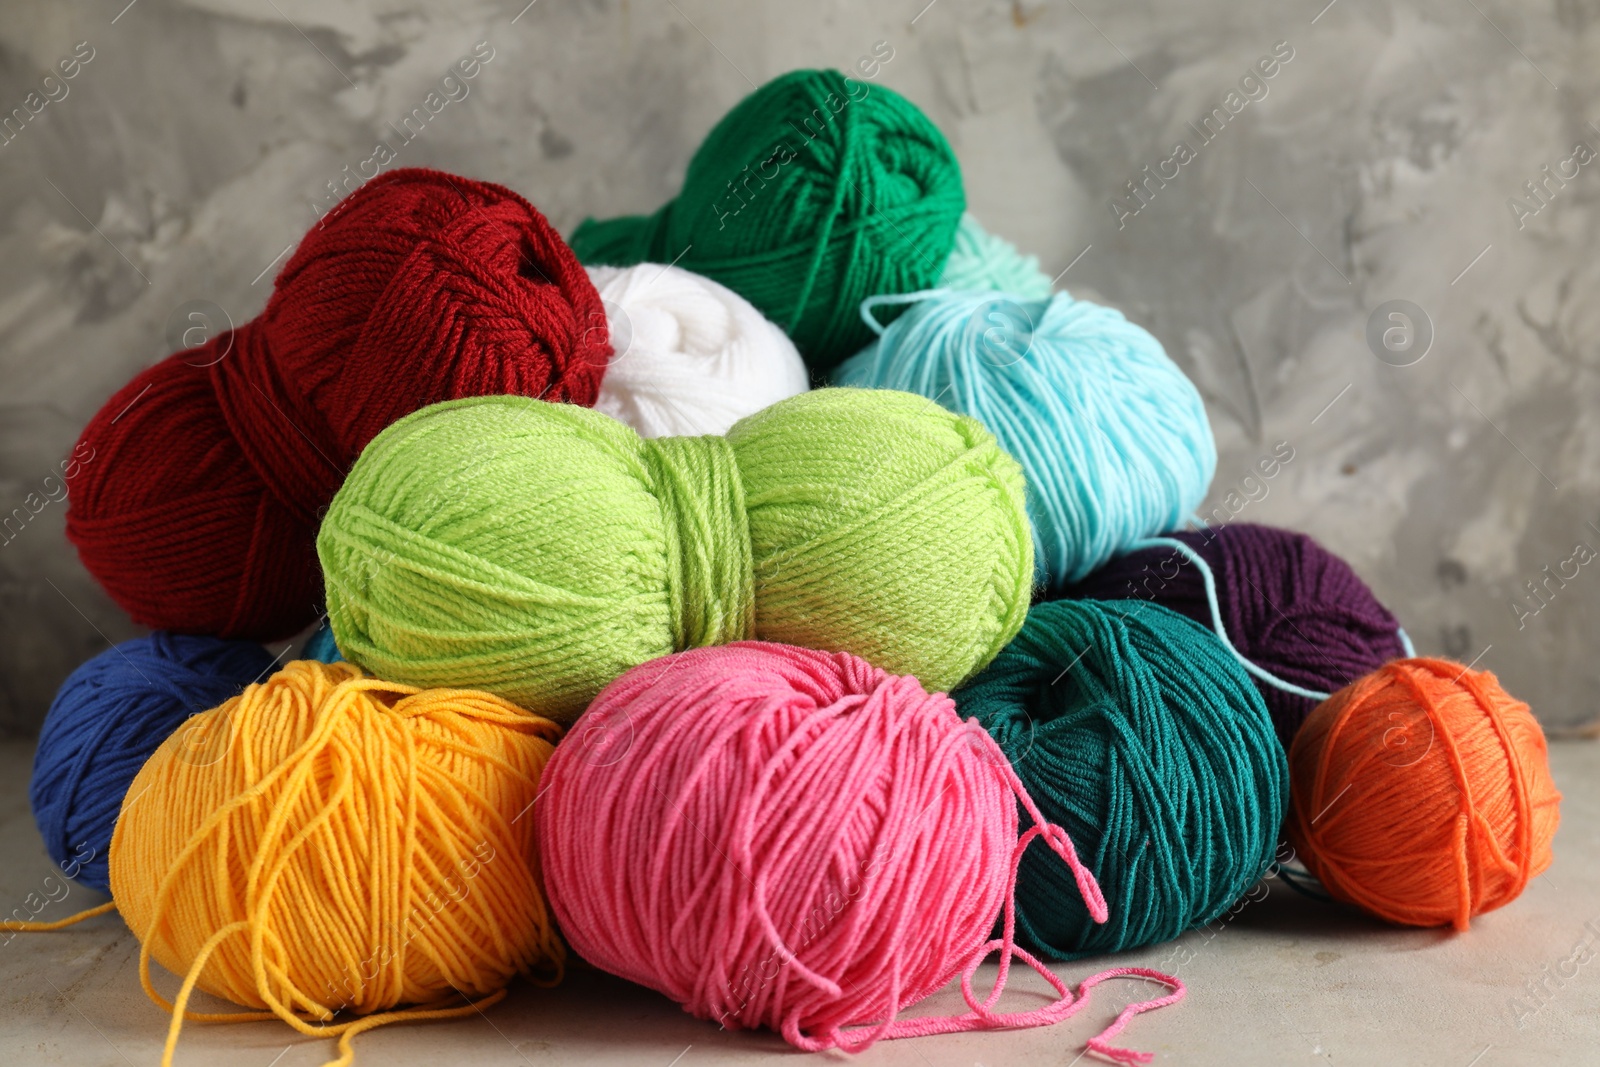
x=692, y=356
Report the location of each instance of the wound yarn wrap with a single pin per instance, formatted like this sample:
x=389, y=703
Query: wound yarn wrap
x=814, y=192
x=1422, y=793
x=198, y=508
x=691, y=356
x=982, y=260
x=107, y=718
x=1288, y=605
x=539, y=550
x=1138, y=733
x=343, y=844
x=784, y=838
x=1112, y=435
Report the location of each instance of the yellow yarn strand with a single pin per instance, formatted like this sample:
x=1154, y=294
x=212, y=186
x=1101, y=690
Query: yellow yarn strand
x=357, y=845
x=34, y=927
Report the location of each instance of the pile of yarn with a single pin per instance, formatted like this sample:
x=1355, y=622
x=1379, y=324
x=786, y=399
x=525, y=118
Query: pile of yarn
x=744, y=599
x=1467, y=822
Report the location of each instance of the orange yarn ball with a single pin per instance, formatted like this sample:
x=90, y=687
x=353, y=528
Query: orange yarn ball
x=328, y=842
x=1422, y=793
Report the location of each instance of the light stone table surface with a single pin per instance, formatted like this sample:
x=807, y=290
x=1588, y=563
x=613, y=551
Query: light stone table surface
x=1286, y=982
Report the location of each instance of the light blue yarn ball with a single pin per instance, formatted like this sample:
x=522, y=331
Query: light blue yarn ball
x=1112, y=435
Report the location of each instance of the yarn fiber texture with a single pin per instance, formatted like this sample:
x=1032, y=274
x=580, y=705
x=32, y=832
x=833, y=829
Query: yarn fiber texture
x=1422, y=793
x=1288, y=605
x=982, y=260
x=539, y=550
x=783, y=838
x=814, y=192
x=1112, y=435
x=107, y=718
x=349, y=845
x=198, y=504
x=691, y=357
x=1138, y=733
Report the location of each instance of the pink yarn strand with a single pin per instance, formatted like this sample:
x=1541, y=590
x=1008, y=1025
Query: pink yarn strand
x=980, y=1015
x=1060, y=843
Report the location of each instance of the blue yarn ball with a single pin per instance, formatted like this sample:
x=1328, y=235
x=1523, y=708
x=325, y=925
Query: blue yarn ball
x=109, y=716
x=1112, y=435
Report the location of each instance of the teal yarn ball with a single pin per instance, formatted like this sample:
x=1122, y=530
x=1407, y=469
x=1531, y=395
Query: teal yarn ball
x=1112, y=435
x=982, y=260
x=1137, y=732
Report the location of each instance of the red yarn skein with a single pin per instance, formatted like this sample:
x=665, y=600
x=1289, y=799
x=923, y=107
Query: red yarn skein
x=200, y=509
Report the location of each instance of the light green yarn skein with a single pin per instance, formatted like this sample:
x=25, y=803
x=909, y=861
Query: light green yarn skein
x=539, y=550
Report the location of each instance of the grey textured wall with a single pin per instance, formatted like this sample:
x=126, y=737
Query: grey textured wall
x=1385, y=160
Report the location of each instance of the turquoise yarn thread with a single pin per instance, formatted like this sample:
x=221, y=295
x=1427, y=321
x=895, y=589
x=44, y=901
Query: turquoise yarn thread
x=982, y=260
x=1138, y=732
x=1112, y=436
x=321, y=646
x=1198, y=561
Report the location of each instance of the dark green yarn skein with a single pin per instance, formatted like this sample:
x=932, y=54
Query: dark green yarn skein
x=1136, y=731
x=815, y=192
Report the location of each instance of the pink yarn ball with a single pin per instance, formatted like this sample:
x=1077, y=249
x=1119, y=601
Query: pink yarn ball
x=785, y=838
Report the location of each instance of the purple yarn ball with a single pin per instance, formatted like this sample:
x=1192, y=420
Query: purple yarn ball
x=1289, y=605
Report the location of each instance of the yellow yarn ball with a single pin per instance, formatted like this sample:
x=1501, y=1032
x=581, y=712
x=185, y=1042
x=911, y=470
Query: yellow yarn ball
x=326, y=841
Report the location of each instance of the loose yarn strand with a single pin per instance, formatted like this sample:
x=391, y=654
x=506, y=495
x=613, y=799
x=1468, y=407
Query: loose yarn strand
x=34, y=927
x=1284, y=607
x=872, y=303
x=1216, y=617
x=345, y=1032
x=981, y=1016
